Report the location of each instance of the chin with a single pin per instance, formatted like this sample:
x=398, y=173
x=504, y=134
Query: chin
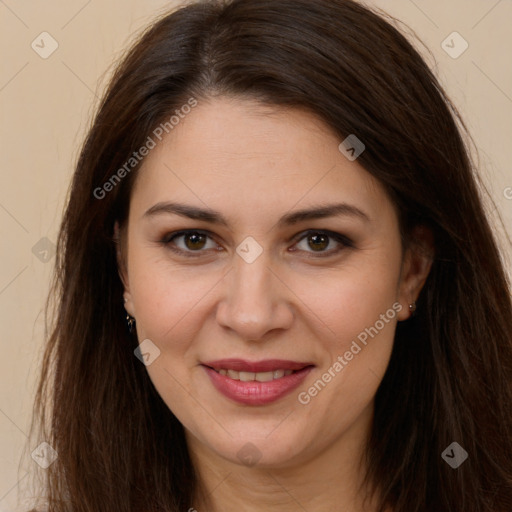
x=265, y=447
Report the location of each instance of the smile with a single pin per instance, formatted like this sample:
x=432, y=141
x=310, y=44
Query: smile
x=251, y=376
x=256, y=383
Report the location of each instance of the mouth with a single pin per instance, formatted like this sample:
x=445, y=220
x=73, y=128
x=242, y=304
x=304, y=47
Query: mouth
x=256, y=383
x=254, y=376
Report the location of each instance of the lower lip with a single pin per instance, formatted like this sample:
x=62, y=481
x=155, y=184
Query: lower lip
x=254, y=392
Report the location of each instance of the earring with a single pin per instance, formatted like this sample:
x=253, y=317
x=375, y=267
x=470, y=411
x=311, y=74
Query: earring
x=131, y=323
x=412, y=306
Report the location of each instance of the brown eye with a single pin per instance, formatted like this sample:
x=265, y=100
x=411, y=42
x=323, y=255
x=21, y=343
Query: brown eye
x=318, y=242
x=194, y=241
x=323, y=243
x=188, y=242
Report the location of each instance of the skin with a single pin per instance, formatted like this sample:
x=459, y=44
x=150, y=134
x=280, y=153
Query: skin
x=254, y=164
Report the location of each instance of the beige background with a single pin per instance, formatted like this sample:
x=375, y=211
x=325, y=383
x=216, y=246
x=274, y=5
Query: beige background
x=46, y=105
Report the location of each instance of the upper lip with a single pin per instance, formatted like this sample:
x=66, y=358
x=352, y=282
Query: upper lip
x=268, y=365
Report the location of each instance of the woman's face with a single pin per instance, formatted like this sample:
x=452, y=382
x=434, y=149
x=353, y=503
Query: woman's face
x=266, y=271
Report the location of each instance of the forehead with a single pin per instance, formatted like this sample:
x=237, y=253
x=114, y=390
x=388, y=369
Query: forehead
x=242, y=157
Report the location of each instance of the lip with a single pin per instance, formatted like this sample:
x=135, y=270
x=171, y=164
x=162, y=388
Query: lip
x=254, y=392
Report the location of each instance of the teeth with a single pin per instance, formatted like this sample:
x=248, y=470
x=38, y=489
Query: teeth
x=258, y=376
x=264, y=376
x=234, y=375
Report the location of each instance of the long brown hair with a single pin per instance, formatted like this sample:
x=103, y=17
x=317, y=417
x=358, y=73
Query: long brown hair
x=450, y=376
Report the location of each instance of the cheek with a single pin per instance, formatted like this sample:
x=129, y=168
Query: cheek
x=355, y=323
x=168, y=299
x=344, y=303
x=171, y=308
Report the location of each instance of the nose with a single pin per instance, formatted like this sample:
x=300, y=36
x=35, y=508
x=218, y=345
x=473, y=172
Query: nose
x=254, y=300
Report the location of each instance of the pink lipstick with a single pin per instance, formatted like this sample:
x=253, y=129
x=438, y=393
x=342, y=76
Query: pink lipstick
x=258, y=382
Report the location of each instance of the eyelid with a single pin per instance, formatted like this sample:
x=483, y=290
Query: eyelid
x=175, y=234
x=167, y=239
x=341, y=239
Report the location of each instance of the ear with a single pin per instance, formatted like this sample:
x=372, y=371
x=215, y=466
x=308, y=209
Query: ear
x=120, y=241
x=416, y=265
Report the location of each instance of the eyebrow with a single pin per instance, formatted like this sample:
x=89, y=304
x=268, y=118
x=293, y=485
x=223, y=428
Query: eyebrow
x=214, y=217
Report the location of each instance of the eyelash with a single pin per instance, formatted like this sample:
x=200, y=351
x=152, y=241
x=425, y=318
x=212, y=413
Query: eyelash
x=344, y=242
